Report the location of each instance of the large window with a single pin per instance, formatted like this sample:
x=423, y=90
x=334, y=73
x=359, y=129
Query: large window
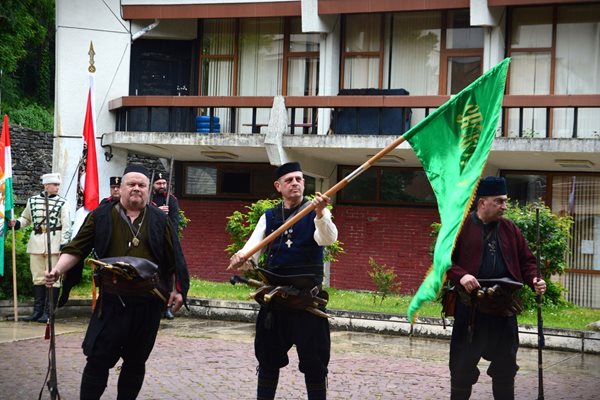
x=425, y=53
x=555, y=50
x=575, y=195
x=258, y=57
x=387, y=185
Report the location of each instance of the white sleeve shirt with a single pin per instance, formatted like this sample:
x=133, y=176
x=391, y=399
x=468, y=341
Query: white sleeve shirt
x=326, y=233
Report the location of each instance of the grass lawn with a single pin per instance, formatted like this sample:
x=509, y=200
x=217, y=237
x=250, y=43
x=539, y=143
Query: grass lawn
x=569, y=317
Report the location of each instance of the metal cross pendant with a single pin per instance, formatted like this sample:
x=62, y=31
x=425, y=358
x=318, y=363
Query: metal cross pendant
x=289, y=243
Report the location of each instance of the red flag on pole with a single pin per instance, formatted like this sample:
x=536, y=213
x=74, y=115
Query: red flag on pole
x=87, y=183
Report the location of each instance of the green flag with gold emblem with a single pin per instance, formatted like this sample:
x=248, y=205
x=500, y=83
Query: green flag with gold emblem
x=453, y=144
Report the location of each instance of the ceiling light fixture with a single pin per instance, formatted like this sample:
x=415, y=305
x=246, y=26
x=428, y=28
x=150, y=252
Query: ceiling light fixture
x=219, y=155
x=575, y=163
x=388, y=158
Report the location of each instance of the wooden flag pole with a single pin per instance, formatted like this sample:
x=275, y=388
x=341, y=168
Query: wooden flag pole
x=334, y=189
x=14, y=271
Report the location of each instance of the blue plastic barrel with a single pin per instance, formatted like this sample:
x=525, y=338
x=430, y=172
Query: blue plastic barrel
x=203, y=123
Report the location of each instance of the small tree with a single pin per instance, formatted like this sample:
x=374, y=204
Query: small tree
x=241, y=225
x=554, y=246
x=384, y=278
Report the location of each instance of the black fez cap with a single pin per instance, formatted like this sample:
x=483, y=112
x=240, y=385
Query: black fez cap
x=160, y=175
x=492, y=186
x=139, y=168
x=287, y=168
x=115, y=181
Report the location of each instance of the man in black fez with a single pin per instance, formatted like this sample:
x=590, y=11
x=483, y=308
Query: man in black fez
x=168, y=204
x=115, y=188
x=125, y=322
x=490, y=252
x=298, y=251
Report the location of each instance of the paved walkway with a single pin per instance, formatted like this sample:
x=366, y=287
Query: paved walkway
x=201, y=359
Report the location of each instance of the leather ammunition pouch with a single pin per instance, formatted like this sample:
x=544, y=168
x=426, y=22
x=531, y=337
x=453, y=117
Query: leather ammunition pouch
x=129, y=276
x=495, y=297
x=291, y=292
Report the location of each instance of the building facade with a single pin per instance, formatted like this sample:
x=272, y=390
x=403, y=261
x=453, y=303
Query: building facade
x=231, y=89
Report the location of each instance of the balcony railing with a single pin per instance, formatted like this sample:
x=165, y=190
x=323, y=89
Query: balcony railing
x=573, y=116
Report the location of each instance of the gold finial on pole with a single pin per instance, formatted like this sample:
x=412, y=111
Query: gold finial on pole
x=91, y=53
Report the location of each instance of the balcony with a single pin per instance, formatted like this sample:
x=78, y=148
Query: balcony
x=535, y=131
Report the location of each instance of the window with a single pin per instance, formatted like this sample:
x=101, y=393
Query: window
x=363, y=51
x=554, y=50
x=229, y=180
x=258, y=57
x=425, y=53
x=387, y=185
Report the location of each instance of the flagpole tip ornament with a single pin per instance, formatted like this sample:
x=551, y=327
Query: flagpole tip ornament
x=286, y=168
x=51, y=178
x=91, y=53
x=138, y=168
x=492, y=186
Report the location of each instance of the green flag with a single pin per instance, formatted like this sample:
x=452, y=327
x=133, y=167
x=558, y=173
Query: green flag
x=453, y=144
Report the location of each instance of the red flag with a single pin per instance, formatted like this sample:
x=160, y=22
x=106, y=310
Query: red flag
x=88, y=195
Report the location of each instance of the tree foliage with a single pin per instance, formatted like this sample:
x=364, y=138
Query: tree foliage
x=27, y=38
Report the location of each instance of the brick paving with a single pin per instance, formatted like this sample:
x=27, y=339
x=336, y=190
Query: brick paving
x=198, y=359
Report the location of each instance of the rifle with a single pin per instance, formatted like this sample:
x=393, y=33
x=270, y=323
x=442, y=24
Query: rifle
x=169, y=184
x=540, y=321
x=50, y=334
x=151, y=188
x=268, y=292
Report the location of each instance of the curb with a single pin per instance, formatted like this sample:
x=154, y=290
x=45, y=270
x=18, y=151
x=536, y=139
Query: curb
x=354, y=321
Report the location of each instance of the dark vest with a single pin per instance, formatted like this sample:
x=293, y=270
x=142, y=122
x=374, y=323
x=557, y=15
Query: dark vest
x=304, y=256
x=156, y=225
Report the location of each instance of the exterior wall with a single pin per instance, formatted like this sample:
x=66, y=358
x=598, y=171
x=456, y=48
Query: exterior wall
x=77, y=24
x=396, y=237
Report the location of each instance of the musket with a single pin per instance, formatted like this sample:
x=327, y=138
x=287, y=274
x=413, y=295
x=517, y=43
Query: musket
x=50, y=334
x=169, y=183
x=269, y=291
x=540, y=321
x=151, y=188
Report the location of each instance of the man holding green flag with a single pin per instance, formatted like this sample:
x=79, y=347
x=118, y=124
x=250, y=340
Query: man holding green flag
x=453, y=144
x=491, y=261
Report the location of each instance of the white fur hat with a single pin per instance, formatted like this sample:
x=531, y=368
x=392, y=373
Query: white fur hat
x=51, y=178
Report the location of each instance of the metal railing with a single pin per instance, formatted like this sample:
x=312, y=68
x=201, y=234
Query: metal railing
x=310, y=106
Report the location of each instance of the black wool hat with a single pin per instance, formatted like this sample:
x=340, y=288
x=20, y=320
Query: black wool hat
x=160, y=175
x=287, y=168
x=492, y=186
x=139, y=168
x=115, y=181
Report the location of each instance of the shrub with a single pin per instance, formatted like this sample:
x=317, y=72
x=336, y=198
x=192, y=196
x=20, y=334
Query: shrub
x=384, y=278
x=32, y=116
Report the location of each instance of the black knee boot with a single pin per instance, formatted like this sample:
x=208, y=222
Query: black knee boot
x=44, y=317
x=92, y=384
x=460, y=392
x=503, y=390
x=316, y=387
x=39, y=300
x=131, y=379
x=267, y=384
